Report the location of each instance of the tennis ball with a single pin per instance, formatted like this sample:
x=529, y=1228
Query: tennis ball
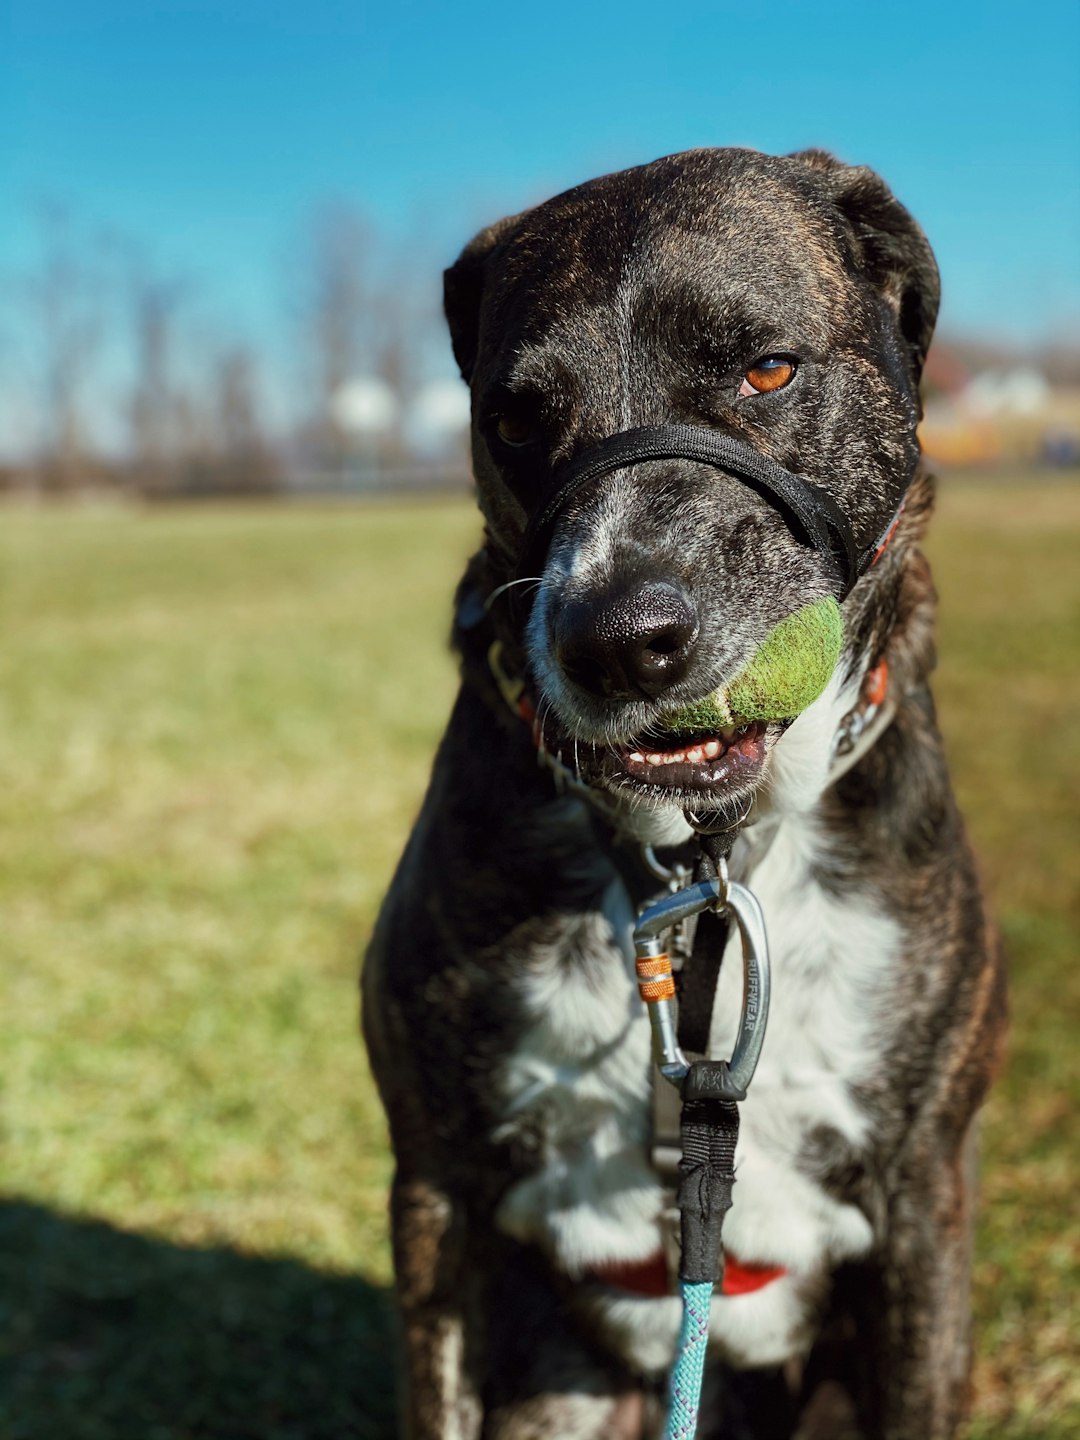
x=789, y=671
x=708, y=715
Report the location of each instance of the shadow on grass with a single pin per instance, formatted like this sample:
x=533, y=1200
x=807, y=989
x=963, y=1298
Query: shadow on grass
x=111, y=1336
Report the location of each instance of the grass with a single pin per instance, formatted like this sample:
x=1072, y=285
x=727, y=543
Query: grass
x=215, y=727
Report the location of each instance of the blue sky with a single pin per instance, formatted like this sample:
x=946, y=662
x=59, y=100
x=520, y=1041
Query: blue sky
x=207, y=129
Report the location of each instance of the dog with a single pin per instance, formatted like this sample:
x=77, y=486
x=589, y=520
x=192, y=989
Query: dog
x=784, y=303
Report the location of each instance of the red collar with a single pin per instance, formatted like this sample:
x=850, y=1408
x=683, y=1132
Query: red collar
x=649, y=1277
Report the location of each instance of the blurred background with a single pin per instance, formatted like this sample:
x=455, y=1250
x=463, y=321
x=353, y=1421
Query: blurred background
x=233, y=506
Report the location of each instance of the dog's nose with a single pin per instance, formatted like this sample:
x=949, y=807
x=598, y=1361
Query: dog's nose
x=622, y=647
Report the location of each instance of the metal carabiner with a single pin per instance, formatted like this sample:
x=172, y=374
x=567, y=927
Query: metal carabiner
x=673, y=876
x=719, y=1079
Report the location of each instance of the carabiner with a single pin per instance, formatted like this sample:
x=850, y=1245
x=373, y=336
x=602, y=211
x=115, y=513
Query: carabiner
x=673, y=876
x=720, y=1079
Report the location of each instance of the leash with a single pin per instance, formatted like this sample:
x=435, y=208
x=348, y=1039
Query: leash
x=710, y=1089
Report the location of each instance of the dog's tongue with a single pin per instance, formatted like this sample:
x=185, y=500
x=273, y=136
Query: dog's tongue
x=789, y=671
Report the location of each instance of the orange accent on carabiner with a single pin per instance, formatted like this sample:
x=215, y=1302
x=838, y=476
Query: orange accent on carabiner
x=662, y=989
x=653, y=965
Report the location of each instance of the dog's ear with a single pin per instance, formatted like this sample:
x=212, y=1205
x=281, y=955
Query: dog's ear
x=894, y=253
x=463, y=291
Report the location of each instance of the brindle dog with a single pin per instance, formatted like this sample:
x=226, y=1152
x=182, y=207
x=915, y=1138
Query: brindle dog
x=788, y=302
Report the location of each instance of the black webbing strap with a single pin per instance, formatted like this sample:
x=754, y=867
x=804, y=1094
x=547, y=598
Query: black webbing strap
x=698, y=980
x=708, y=1128
x=811, y=512
x=700, y=976
x=709, y=1131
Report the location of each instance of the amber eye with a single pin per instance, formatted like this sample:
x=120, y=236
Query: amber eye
x=771, y=373
x=515, y=430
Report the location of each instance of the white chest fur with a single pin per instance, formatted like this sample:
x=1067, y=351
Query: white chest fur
x=831, y=959
x=579, y=1083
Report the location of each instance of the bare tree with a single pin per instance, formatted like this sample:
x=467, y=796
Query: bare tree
x=156, y=418
x=100, y=311
x=246, y=464
x=404, y=316
x=66, y=302
x=335, y=311
x=366, y=327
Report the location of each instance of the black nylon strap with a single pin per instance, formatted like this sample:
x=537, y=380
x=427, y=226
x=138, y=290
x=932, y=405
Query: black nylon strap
x=709, y=1131
x=811, y=512
x=699, y=977
x=708, y=1128
x=698, y=981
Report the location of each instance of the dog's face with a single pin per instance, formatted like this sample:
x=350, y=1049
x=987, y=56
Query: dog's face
x=788, y=302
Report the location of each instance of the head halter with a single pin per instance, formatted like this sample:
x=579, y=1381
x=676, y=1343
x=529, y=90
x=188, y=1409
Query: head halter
x=812, y=514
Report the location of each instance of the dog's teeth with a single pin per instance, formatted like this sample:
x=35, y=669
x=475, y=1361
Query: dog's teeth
x=691, y=755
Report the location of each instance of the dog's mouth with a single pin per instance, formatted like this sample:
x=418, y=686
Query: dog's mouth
x=699, y=761
x=673, y=767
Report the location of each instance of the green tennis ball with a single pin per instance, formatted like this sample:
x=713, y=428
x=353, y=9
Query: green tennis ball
x=789, y=671
x=708, y=715
x=792, y=667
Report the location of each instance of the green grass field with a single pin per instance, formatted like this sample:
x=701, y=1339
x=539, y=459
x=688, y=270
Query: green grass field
x=215, y=727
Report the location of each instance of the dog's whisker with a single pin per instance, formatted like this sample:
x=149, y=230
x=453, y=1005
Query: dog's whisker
x=502, y=589
x=543, y=709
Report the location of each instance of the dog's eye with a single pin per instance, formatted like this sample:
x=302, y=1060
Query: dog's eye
x=515, y=430
x=771, y=373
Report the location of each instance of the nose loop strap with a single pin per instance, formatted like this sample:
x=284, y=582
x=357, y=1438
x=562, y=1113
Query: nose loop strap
x=810, y=511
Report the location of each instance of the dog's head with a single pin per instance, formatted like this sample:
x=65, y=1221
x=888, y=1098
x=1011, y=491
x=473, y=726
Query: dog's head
x=787, y=302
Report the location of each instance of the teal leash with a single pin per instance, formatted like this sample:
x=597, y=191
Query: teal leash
x=710, y=1090
x=709, y=1131
x=684, y=1398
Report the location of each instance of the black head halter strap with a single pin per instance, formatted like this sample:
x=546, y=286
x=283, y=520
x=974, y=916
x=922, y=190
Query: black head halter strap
x=813, y=515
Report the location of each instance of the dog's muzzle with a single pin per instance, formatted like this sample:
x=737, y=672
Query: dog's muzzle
x=637, y=644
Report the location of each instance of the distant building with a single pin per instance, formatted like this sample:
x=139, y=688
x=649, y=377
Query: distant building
x=996, y=410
